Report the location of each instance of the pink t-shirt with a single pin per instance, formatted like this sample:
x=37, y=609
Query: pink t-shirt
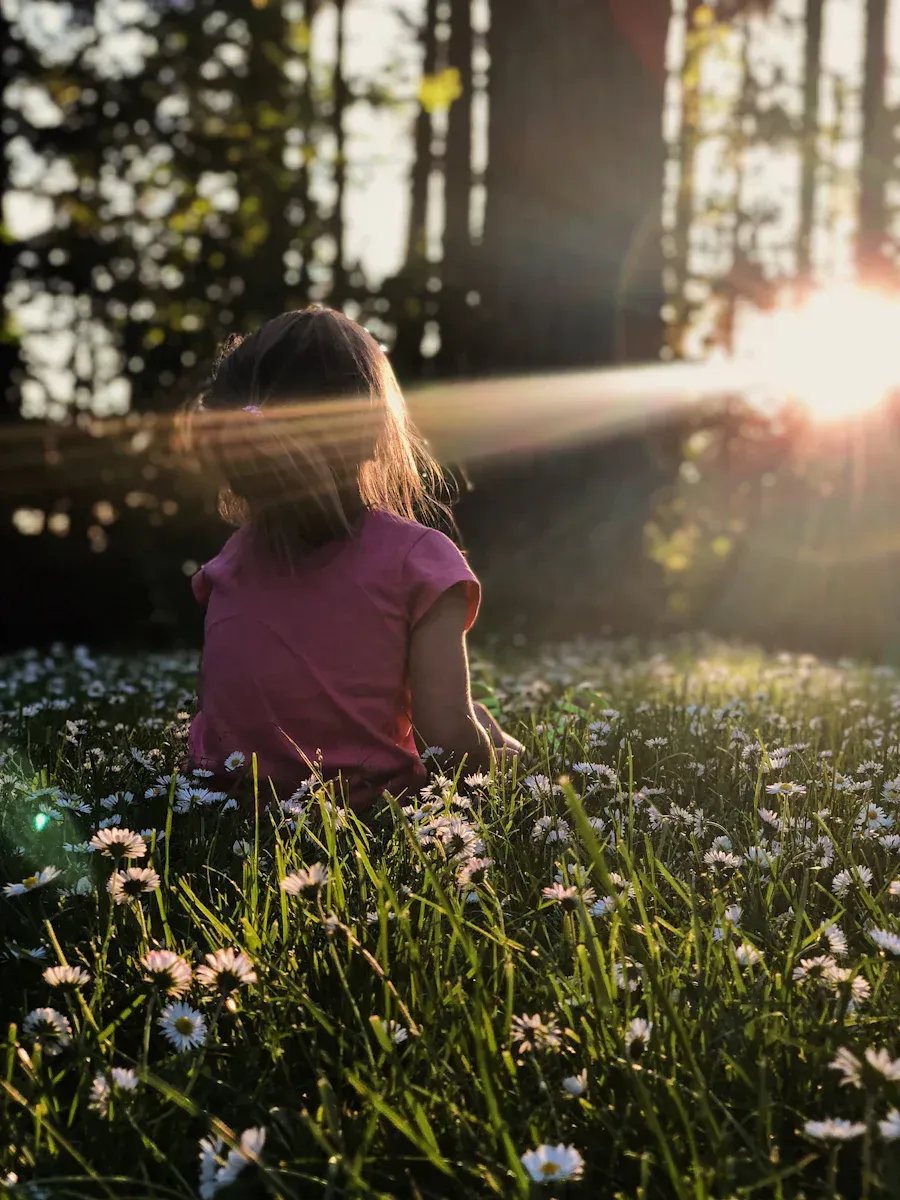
x=314, y=663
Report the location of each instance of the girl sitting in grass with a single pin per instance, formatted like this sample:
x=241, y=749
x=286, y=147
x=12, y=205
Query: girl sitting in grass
x=335, y=633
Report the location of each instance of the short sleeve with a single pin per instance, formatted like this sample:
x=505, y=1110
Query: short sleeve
x=200, y=586
x=432, y=566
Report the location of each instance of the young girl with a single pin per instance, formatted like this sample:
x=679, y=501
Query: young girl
x=335, y=633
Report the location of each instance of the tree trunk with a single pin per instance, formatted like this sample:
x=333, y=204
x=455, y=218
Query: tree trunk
x=570, y=268
x=422, y=159
x=454, y=311
x=341, y=99
x=9, y=346
x=407, y=289
x=876, y=146
x=812, y=68
x=688, y=141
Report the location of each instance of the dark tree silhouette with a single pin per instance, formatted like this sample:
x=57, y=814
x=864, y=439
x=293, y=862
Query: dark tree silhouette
x=877, y=146
x=569, y=269
x=407, y=292
x=812, y=68
x=456, y=272
x=9, y=347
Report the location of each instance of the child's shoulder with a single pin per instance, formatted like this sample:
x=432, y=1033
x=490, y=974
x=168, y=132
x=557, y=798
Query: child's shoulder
x=405, y=534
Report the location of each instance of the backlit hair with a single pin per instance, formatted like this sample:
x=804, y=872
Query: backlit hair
x=304, y=425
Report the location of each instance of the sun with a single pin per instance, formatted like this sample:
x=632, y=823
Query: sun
x=836, y=353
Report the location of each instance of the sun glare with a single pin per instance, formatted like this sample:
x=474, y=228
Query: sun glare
x=836, y=354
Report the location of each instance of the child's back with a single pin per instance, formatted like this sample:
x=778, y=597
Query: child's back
x=314, y=662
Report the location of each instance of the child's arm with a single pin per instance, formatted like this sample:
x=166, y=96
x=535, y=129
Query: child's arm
x=442, y=710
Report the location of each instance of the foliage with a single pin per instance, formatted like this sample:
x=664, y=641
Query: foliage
x=668, y=963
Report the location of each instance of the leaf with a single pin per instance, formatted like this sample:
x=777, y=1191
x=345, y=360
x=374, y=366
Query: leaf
x=437, y=92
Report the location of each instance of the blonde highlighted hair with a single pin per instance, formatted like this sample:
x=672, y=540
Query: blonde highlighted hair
x=304, y=426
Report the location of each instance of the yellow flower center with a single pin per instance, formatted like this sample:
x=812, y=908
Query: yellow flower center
x=549, y=1168
x=184, y=1025
x=31, y=881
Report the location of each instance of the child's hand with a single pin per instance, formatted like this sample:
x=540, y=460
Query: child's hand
x=506, y=748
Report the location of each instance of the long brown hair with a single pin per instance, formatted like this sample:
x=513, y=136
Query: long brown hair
x=304, y=426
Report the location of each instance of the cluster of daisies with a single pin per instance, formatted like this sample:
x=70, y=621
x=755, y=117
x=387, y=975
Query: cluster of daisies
x=182, y=1025
x=871, y=1073
x=734, y=793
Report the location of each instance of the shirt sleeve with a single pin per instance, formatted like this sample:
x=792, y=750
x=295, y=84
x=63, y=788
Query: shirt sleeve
x=432, y=566
x=201, y=586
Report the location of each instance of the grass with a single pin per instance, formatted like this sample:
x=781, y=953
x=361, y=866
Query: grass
x=705, y=955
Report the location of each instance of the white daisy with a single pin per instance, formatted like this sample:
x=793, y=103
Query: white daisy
x=834, y=1129
x=100, y=1094
x=785, y=789
x=837, y=941
x=818, y=967
x=121, y=1079
x=394, y=1032
x=119, y=843
x=761, y=856
x=551, y=829
x=184, y=1027
x=569, y=897
x=885, y=940
x=842, y=883
x=849, y=1066
x=473, y=872
x=129, y=885
x=49, y=1029
x=459, y=839
x=747, y=955
x=881, y=1062
x=575, y=1085
x=532, y=1032
x=638, y=1032
x=628, y=977
x=73, y=804
x=33, y=882
x=167, y=970
x=226, y=970
x=890, y=1126
x=553, y=1164
x=722, y=858
x=306, y=879
x=216, y=1174
x=66, y=976
x=210, y=1162
x=37, y=954
x=192, y=793
x=477, y=780
x=234, y=760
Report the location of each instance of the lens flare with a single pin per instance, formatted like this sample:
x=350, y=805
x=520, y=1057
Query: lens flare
x=835, y=353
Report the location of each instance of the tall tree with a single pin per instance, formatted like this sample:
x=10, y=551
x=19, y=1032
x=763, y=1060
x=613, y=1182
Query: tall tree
x=9, y=348
x=569, y=267
x=340, y=100
x=877, y=146
x=695, y=39
x=422, y=156
x=407, y=291
x=812, y=70
x=457, y=248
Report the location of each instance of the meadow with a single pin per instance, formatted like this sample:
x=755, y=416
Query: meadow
x=658, y=959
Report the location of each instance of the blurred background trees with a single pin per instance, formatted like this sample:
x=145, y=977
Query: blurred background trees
x=495, y=188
